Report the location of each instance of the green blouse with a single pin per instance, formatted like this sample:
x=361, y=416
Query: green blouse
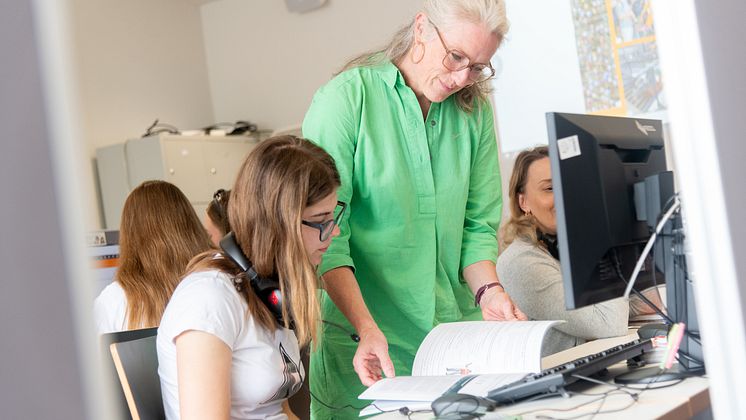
x=424, y=202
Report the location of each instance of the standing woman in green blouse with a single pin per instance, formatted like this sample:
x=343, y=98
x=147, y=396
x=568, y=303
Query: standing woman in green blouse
x=411, y=130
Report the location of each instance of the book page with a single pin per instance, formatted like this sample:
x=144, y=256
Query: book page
x=462, y=348
x=410, y=388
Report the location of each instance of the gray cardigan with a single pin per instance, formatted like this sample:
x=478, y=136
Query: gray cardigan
x=533, y=280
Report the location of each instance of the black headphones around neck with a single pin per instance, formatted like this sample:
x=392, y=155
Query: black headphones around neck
x=550, y=242
x=267, y=289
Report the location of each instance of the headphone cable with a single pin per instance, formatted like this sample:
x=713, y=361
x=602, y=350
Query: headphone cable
x=353, y=335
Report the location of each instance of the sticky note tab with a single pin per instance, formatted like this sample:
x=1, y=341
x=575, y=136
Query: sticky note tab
x=674, y=339
x=568, y=147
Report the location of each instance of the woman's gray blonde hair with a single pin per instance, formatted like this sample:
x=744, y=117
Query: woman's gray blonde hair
x=443, y=14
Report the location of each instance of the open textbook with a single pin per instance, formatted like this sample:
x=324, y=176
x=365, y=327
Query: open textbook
x=466, y=357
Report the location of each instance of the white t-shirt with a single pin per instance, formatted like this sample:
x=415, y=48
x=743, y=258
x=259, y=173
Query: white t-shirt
x=266, y=367
x=110, y=309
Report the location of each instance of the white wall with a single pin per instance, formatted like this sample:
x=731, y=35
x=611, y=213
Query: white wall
x=537, y=71
x=137, y=60
x=265, y=63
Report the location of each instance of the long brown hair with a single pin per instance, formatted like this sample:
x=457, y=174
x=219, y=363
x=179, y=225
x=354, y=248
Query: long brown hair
x=521, y=225
x=444, y=13
x=159, y=234
x=277, y=181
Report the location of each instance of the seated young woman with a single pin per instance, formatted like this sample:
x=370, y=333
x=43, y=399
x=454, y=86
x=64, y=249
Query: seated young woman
x=224, y=351
x=529, y=266
x=216, y=216
x=158, y=235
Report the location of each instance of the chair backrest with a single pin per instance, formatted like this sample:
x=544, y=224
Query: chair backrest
x=129, y=335
x=136, y=363
x=111, y=372
x=300, y=403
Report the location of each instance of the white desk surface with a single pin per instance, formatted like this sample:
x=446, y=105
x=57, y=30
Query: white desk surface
x=680, y=401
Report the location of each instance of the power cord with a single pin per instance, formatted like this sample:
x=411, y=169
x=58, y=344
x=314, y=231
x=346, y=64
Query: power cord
x=344, y=407
x=691, y=334
x=666, y=216
x=356, y=338
x=405, y=411
x=159, y=127
x=618, y=389
x=353, y=335
x=630, y=286
x=601, y=398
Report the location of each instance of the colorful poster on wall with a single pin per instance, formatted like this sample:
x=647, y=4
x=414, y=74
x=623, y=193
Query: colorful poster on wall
x=617, y=56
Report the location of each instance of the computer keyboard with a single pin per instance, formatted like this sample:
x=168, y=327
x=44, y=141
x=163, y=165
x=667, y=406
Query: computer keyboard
x=548, y=381
x=554, y=379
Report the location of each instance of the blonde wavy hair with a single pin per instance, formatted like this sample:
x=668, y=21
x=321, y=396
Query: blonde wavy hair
x=521, y=225
x=280, y=178
x=443, y=14
x=159, y=234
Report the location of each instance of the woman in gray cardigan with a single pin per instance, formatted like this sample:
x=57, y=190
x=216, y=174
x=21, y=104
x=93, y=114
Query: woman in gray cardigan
x=529, y=266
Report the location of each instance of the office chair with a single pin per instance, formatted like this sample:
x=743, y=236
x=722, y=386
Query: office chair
x=136, y=362
x=111, y=372
x=300, y=403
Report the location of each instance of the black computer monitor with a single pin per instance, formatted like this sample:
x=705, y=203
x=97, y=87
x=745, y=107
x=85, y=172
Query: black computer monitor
x=610, y=188
x=596, y=161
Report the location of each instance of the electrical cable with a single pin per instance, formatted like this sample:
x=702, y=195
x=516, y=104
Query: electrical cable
x=601, y=397
x=575, y=407
x=353, y=335
x=159, y=127
x=691, y=334
x=618, y=270
x=640, y=261
x=618, y=389
x=344, y=407
x=598, y=382
x=655, y=283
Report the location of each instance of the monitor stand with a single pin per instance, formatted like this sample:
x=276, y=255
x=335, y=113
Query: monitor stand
x=653, y=374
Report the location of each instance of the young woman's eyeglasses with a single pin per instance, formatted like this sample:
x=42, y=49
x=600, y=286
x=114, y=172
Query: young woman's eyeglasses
x=455, y=60
x=326, y=228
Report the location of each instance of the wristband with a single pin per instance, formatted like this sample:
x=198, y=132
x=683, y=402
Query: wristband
x=481, y=290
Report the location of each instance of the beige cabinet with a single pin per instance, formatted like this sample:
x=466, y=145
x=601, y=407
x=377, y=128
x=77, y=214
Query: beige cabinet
x=198, y=165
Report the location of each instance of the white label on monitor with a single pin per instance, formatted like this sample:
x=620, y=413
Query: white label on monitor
x=568, y=147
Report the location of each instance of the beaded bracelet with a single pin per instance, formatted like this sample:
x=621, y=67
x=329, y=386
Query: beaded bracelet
x=481, y=290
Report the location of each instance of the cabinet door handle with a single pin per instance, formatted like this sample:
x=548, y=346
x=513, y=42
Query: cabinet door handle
x=213, y=171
